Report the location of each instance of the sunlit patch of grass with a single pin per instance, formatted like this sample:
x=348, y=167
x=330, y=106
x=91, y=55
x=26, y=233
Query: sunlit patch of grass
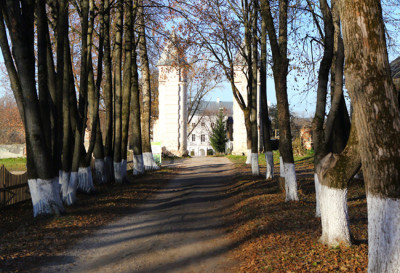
x=14, y=164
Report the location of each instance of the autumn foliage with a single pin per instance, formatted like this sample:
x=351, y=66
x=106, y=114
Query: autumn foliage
x=11, y=126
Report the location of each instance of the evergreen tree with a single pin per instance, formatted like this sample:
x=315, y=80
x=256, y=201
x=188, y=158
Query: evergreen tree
x=218, y=135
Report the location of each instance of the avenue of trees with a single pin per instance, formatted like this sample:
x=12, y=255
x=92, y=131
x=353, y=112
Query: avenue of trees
x=71, y=61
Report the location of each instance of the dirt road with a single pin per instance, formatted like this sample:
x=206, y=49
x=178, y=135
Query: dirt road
x=181, y=229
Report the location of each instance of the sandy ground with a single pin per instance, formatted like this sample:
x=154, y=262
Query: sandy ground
x=180, y=229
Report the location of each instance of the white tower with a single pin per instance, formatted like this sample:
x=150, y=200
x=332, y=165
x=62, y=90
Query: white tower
x=239, y=128
x=171, y=127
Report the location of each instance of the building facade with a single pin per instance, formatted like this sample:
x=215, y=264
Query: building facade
x=200, y=127
x=171, y=127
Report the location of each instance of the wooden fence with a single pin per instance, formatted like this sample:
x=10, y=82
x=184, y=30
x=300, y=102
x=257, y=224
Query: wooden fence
x=13, y=187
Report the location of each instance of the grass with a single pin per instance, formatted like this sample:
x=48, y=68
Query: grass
x=240, y=159
x=14, y=164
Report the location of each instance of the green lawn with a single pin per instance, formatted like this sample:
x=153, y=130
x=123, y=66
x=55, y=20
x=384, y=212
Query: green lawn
x=261, y=158
x=14, y=164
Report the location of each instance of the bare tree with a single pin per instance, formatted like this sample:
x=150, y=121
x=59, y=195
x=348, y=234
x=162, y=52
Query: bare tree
x=149, y=163
x=278, y=43
x=42, y=174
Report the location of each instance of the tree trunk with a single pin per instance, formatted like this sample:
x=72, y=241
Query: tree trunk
x=126, y=89
x=255, y=170
x=265, y=122
x=108, y=95
x=334, y=172
x=377, y=119
x=136, y=135
x=101, y=175
x=280, y=71
x=247, y=124
x=42, y=176
x=149, y=163
x=117, y=63
x=320, y=146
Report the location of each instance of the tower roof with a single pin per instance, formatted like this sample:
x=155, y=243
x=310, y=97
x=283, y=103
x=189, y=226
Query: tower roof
x=172, y=53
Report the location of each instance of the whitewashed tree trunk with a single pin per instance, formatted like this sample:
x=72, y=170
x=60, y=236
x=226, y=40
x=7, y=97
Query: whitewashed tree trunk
x=383, y=234
x=149, y=163
x=290, y=182
x=334, y=216
x=118, y=172
x=45, y=196
x=269, y=160
x=248, y=158
x=63, y=180
x=255, y=170
x=85, y=180
x=100, y=171
x=317, y=198
x=69, y=197
x=138, y=165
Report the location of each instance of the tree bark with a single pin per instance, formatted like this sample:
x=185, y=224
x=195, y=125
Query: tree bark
x=254, y=88
x=377, y=119
x=149, y=163
x=280, y=71
x=136, y=135
x=42, y=176
x=320, y=146
x=126, y=89
x=265, y=122
x=117, y=63
x=334, y=172
x=108, y=95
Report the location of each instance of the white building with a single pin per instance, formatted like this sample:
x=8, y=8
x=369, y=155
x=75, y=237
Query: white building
x=172, y=130
x=200, y=126
x=171, y=127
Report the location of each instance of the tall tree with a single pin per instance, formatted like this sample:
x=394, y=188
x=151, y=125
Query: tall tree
x=42, y=174
x=108, y=96
x=127, y=80
x=253, y=72
x=377, y=120
x=149, y=163
x=332, y=137
x=117, y=70
x=264, y=120
x=280, y=70
x=136, y=135
x=101, y=174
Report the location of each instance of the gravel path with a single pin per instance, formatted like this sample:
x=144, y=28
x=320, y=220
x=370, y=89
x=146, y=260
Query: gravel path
x=180, y=229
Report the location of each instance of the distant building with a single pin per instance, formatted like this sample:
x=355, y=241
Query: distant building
x=171, y=127
x=201, y=125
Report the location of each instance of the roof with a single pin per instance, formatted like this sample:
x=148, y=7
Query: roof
x=172, y=53
x=395, y=68
x=214, y=106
